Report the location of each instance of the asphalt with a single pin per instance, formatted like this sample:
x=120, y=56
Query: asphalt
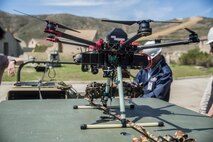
x=186, y=92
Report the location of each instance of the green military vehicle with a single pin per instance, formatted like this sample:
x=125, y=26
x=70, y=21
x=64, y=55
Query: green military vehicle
x=46, y=113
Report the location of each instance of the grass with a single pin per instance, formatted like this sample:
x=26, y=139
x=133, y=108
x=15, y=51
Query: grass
x=73, y=72
x=180, y=71
x=64, y=73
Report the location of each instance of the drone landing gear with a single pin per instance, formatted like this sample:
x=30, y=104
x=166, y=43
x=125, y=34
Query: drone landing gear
x=113, y=116
x=100, y=107
x=107, y=126
x=122, y=116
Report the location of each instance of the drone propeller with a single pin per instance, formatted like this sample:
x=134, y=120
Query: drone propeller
x=193, y=35
x=144, y=27
x=165, y=21
x=60, y=25
x=120, y=22
x=190, y=31
x=49, y=23
x=138, y=22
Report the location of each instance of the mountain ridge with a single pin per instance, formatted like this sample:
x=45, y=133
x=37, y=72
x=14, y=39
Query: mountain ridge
x=25, y=27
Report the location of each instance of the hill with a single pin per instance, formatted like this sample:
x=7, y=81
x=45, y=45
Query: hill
x=26, y=27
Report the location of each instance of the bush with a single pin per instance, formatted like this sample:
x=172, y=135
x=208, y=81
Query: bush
x=41, y=48
x=195, y=57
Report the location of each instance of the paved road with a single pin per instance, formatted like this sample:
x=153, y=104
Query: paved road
x=185, y=92
x=188, y=92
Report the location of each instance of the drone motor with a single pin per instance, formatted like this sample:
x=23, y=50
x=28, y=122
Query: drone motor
x=144, y=28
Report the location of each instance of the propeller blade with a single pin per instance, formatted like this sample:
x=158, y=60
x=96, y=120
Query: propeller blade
x=30, y=15
x=166, y=21
x=193, y=37
x=138, y=22
x=61, y=26
x=120, y=22
x=190, y=31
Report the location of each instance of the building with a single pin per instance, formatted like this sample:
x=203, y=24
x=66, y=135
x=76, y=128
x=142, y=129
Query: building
x=39, y=42
x=69, y=50
x=34, y=42
x=9, y=45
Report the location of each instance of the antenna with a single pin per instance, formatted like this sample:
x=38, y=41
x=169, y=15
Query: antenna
x=49, y=22
x=30, y=16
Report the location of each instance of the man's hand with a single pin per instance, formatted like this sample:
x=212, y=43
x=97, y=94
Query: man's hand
x=11, y=70
x=210, y=113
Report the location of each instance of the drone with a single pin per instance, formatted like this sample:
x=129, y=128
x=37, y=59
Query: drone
x=118, y=49
x=114, y=54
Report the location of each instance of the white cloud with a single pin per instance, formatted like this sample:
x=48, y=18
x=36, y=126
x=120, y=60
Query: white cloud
x=75, y=3
x=207, y=11
x=155, y=13
x=82, y=2
x=113, y=9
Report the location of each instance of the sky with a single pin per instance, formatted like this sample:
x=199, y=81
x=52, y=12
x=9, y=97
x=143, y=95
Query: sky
x=113, y=9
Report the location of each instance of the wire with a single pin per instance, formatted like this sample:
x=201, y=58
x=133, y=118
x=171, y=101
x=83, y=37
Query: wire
x=111, y=92
x=40, y=82
x=128, y=72
x=54, y=73
x=75, y=91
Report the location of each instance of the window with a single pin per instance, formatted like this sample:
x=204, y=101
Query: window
x=60, y=47
x=6, y=48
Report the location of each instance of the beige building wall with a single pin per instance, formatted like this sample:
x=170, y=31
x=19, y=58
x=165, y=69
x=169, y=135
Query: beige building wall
x=38, y=42
x=70, y=50
x=32, y=43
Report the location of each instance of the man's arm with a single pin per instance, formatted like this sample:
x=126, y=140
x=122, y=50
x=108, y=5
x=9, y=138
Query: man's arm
x=210, y=113
x=11, y=65
x=3, y=65
x=16, y=61
x=205, y=98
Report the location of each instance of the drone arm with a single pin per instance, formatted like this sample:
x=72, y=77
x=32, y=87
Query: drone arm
x=70, y=37
x=132, y=39
x=81, y=40
x=193, y=38
x=71, y=43
x=167, y=44
x=66, y=42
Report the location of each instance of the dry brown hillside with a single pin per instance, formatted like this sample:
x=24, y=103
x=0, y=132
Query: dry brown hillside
x=26, y=27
